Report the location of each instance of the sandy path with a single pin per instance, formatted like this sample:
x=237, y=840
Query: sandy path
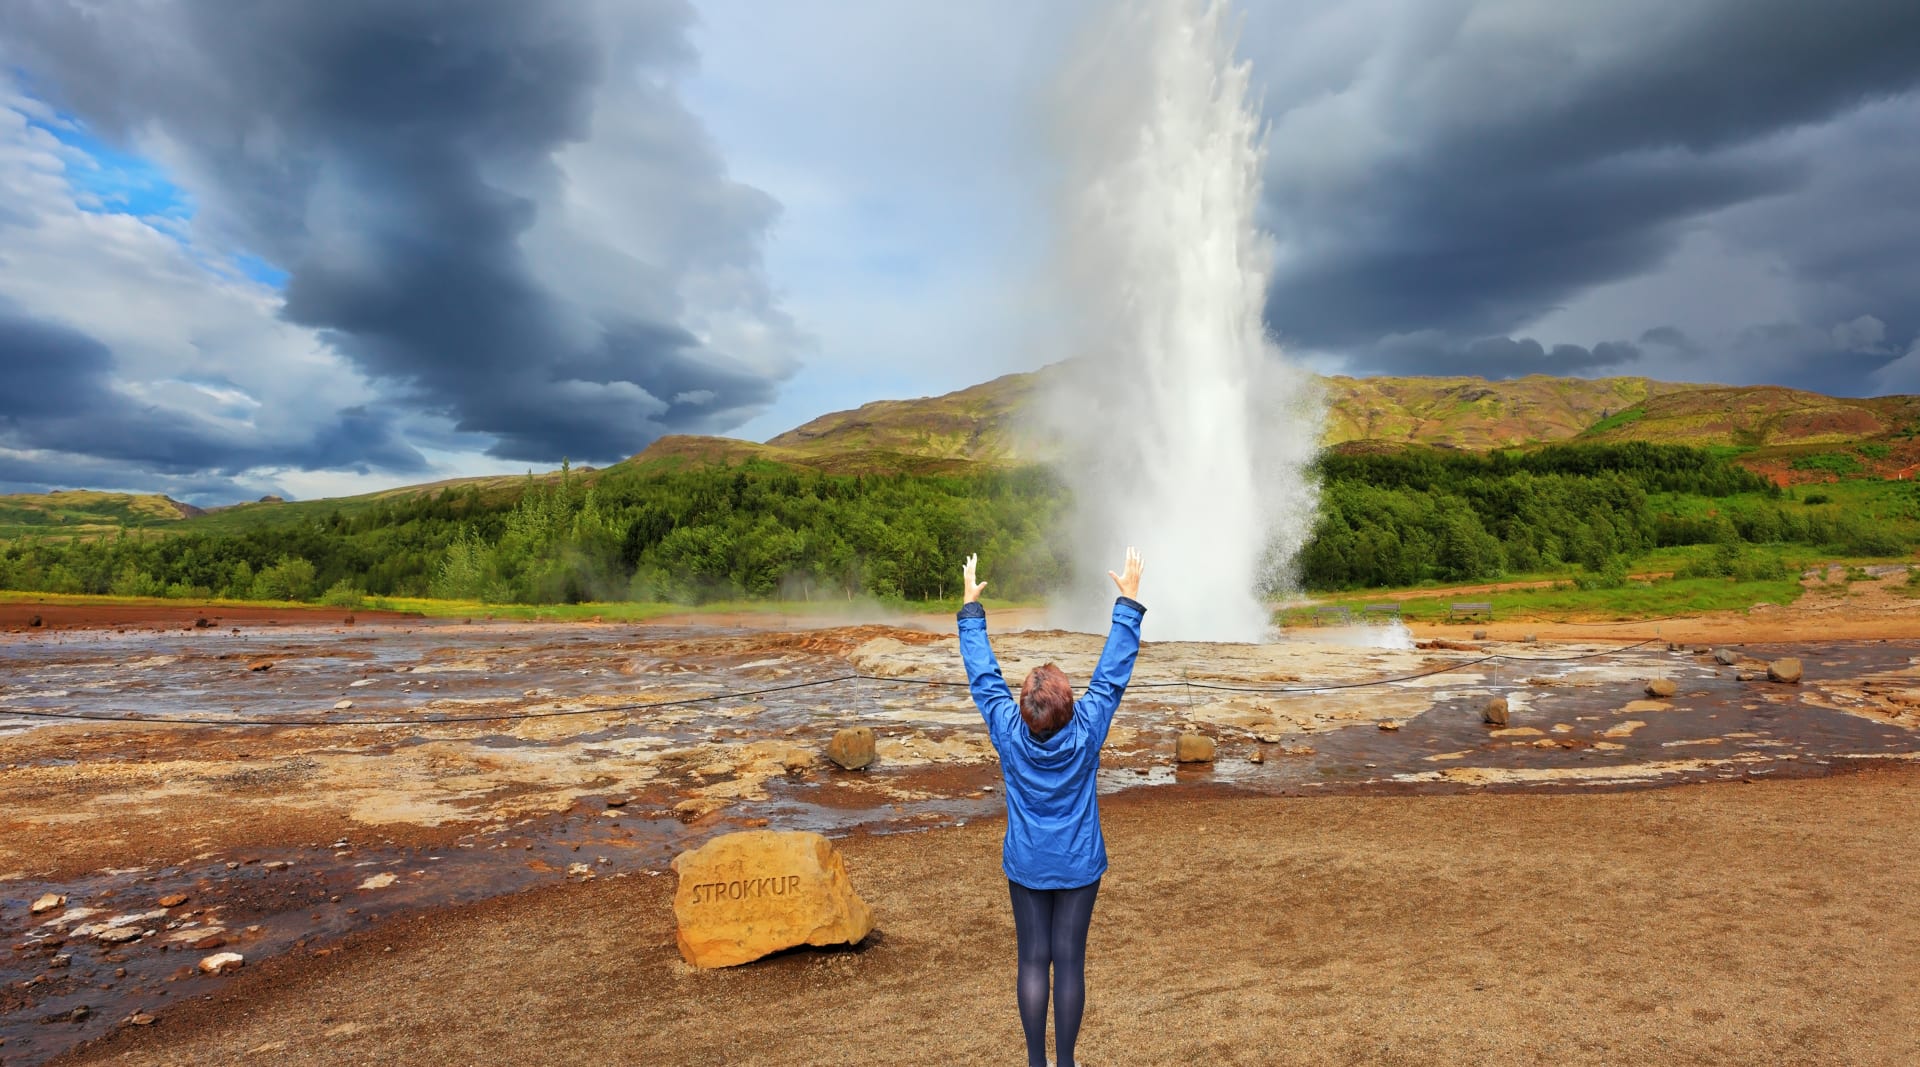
x=1765, y=923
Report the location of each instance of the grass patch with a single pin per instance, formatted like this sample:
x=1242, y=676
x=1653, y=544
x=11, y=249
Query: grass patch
x=1617, y=420
x=1635, y=600
x=1842, y=464
x=861, y=610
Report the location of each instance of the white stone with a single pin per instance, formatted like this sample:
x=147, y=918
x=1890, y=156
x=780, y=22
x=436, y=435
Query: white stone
x=222, y=962
x=379, y=881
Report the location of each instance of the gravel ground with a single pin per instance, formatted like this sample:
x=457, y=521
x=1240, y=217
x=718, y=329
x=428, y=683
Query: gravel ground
x=1727, y=923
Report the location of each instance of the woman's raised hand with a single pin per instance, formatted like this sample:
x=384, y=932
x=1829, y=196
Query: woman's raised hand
x=966, y=575
x=1128, y=582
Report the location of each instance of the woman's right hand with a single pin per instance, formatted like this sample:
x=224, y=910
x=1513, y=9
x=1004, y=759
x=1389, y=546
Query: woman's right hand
x=966, y=576
x=1129, y=582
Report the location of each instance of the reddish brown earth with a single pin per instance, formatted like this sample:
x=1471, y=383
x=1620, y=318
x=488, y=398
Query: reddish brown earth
x=1716, y=924
x=68, y=615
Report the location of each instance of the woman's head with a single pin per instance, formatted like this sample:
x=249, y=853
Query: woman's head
x=1046, y=700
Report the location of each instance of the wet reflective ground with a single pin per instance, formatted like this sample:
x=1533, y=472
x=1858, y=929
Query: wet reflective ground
x=431, y=812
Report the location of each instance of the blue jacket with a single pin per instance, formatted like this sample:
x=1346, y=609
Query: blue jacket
x=1053, y=810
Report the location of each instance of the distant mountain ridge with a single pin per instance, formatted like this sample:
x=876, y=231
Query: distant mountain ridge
x=983, y=423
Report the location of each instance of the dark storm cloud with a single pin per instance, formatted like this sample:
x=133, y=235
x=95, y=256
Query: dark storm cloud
x=1503, y=158
x=57, y=395
x=394, y=158
x=1434, y=353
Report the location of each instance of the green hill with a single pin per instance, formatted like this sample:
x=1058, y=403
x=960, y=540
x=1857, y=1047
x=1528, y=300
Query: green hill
x=984, y=424
x=86, y=511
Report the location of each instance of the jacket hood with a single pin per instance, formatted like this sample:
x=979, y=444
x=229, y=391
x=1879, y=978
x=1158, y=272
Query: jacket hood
x=1060, y=750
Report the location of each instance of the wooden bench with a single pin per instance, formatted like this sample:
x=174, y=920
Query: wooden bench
x=1469, y=609
x=1380, y=611
x=1335, y=613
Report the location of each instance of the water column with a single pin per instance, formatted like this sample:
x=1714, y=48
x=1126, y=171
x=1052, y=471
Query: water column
x=1185, y=430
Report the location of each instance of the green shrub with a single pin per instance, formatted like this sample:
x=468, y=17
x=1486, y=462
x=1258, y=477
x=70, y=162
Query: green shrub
x=131, y=581
x=343, y=594
x=290, y=579
x=1612, y=575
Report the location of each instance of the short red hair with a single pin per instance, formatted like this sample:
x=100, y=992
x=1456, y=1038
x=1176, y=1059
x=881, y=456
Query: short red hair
x=1046, y=700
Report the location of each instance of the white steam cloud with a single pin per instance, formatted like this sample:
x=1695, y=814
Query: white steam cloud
x=1186, y=433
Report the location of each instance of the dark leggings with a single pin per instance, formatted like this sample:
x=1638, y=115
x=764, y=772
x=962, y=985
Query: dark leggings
x=1051, y=926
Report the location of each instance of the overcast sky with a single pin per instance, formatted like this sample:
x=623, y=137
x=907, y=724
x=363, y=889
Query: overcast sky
x=323, y=248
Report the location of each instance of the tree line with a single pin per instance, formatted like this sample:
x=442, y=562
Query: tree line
x=760, y=530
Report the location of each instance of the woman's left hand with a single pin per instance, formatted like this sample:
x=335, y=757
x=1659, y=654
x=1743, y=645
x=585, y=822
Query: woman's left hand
x=966, y=575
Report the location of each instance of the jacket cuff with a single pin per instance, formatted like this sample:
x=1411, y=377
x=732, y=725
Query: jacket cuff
x=972, y=611
x=1132, y=603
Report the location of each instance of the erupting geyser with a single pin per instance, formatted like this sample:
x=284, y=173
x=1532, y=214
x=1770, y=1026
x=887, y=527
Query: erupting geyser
x=1185, y=431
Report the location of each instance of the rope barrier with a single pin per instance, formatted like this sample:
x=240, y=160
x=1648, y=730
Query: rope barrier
x=748, y=694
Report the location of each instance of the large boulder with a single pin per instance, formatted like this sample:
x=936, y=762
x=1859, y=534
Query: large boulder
x=1193, y=748
x=852, y=747
x=1495, y=711
x=744, y=895
x=1784, y=670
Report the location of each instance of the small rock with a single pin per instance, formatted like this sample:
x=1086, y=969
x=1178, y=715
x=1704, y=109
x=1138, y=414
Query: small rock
x=277, y=865
x=34, y=621
x=1257, y=757
x=342, y=705
x=1479, y=635
x=1675, y=646
x=379, y=881
x=211, y=941
x=140, y=1018
x=1496, y=711
x=1786, y=671
x=65, y=959
x=618, y=802
x=202, y=623
x=1389, y=725
x=1193, y=748
x=1269, y=738
x=580, y=871
x=222, y=962
x=1661, y=688
x=1725, y=657
x=1530, y=639
x=47, y=902
x=173, y=900
x=1750, y=676
x=260, y=665
x=118, y=935
x=852, y=747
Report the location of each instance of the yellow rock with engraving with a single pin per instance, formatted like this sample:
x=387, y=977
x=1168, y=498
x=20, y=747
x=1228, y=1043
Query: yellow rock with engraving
x=745, y=895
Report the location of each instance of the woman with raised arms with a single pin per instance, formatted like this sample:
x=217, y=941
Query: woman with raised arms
x=1054, y=856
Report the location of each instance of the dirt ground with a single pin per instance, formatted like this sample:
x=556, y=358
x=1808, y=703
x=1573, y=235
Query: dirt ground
x=72, y=615
x=1725, y=923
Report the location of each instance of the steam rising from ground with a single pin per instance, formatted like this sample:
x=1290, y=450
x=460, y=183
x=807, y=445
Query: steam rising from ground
x=1184, y=430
